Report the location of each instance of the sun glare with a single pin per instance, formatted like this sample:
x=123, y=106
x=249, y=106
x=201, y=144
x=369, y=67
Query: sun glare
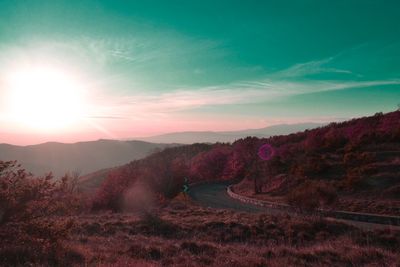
x=44, y=98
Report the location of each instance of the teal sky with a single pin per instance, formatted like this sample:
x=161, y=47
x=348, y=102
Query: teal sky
x=152, y=67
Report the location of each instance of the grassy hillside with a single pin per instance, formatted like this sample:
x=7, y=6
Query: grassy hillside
x=187, y=235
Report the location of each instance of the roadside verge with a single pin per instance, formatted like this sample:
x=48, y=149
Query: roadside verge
x=344, y=215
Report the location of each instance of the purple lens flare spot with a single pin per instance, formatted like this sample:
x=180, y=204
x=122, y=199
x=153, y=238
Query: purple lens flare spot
x=266, y=152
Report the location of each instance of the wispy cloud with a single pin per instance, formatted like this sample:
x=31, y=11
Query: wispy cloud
x=107, y=52
x=141, y=103
x=238, y=93
x=309, y=68
x=141, y=50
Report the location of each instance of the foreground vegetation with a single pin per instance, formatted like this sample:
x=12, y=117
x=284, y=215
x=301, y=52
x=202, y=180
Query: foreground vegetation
x=47, y=223
x=187, y=235
x=34, y=213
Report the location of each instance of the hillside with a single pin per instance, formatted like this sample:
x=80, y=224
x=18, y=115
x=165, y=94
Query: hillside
x=83, y=157
x=356, y=162
x=183, y=234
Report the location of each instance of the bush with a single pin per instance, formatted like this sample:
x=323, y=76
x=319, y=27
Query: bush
x=210, y=165
x=312, y=195
x=163, y=172
x=31, y=228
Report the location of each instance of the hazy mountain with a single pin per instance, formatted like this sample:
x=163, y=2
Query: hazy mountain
x=83, y=157
x=212, y=137
x=86, y=157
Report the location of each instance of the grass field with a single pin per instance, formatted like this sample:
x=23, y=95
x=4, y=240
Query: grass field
x=183, y=234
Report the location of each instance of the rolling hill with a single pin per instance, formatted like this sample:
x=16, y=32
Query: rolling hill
x=83, y=157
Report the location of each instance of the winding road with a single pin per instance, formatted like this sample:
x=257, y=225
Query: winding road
x=214, y=195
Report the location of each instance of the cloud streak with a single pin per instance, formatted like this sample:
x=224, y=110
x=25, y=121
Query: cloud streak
x=285, y=83
x=144, y=104
x=239, y=93
x=135, y=50
x=309, y=68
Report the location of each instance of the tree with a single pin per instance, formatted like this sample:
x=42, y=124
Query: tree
x=26, y=198
x=253, y=174
x=210, y=165
x=311, y=195
x=246, y=150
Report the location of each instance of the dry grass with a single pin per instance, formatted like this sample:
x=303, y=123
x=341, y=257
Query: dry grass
x=187, y=235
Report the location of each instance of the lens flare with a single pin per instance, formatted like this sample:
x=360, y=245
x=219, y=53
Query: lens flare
x=266, y=152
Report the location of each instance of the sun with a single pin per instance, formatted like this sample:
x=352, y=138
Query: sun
x=44, y=98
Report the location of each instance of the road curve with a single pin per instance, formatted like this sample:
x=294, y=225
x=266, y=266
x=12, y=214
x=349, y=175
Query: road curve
x=214, y=195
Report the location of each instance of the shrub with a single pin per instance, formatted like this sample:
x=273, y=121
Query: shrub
x=210, y=165
x=31, y=229
x=312, y=195
x=163, y=172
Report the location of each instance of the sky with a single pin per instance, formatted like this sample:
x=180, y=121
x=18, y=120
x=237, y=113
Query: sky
x=122, y=69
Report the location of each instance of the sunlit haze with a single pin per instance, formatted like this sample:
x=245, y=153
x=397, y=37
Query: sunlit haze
x=43, y=98
x=73, y=71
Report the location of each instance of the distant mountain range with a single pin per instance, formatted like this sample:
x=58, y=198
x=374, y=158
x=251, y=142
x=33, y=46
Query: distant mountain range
x=87, y=157
x=83, y=157
x=230, y=136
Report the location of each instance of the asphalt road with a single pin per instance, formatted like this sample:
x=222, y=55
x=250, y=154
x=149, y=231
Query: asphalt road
x=214, y=195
